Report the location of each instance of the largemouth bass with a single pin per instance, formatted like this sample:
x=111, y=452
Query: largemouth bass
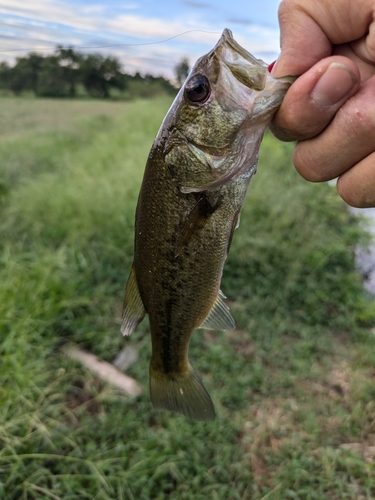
x=194, y=185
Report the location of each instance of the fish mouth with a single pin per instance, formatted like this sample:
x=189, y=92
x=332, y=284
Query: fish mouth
x=226, y=40
x=246, y=68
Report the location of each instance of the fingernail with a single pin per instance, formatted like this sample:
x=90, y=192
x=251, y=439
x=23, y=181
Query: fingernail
x=335, y=83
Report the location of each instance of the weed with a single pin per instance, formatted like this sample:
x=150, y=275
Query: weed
x=293, y=385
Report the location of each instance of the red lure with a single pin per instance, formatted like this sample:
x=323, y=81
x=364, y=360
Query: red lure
x=270, y=66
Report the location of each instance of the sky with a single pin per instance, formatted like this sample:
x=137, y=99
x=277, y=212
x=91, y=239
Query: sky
x=41, y=25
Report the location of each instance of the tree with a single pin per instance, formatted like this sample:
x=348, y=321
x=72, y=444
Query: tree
x=51, y=79
x=24, y=75
x=182, y=70
x=5, y=75
x=99, y=74
x=58, y=74
x=70, y=62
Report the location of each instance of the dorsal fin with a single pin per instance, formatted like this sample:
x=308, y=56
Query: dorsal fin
x=219, y=318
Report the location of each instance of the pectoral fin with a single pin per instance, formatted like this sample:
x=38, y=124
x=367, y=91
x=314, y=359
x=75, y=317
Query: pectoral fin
x=219, y=318
x=134, y=310
x=196, y=219
x=235, y=224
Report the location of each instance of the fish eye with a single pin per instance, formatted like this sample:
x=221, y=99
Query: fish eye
x=197, y=89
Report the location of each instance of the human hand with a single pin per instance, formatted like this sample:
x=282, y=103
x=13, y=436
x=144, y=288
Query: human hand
x=330, y=109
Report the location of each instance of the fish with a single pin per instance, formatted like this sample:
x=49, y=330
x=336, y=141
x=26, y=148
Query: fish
x=195, y=181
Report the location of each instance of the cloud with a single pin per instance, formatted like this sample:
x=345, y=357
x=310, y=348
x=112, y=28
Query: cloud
x=92, y=8
x=240, y=20
x=198, y=5
x=137, y=26
x=130, y=6
x=47, y=23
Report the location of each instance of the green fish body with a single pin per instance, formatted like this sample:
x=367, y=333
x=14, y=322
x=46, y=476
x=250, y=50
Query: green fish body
x=194, y=185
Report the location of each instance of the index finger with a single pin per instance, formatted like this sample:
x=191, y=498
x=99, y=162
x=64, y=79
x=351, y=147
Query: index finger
x=310, y=28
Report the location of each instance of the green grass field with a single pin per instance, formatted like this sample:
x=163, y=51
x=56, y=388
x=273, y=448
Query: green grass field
x=293, y=386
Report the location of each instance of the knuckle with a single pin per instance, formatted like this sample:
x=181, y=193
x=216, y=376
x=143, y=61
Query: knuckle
x=282, y=133
x=306, y=164
x=287, y=6
x=350, y=196
x=363, y=115
x=289, y=10
x=298, y=116
x=289, y=126
x=356, y=191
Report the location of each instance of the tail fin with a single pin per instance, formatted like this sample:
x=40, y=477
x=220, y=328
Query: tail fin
x=182, y=394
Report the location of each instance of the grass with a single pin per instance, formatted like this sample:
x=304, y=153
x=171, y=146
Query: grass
x=293, y=385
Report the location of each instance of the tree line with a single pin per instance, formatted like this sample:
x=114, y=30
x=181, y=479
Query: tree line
x=67, y=73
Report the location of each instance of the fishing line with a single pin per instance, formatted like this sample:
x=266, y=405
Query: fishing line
x=76, y=47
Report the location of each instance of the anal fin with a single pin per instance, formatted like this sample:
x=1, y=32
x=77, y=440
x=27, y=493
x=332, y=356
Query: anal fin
x=134, y=311
x=219, y=318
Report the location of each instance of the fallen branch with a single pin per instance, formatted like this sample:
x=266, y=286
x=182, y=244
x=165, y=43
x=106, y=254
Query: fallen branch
x=104, y=370
x=125, y=358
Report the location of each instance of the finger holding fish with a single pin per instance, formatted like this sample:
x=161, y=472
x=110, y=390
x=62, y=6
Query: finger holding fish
x=346, y=140
x=335, y=140
x=331, y=114
x=314, y=98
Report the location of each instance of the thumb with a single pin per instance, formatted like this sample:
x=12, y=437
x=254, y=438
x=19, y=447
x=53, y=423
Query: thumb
x=310, y=29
